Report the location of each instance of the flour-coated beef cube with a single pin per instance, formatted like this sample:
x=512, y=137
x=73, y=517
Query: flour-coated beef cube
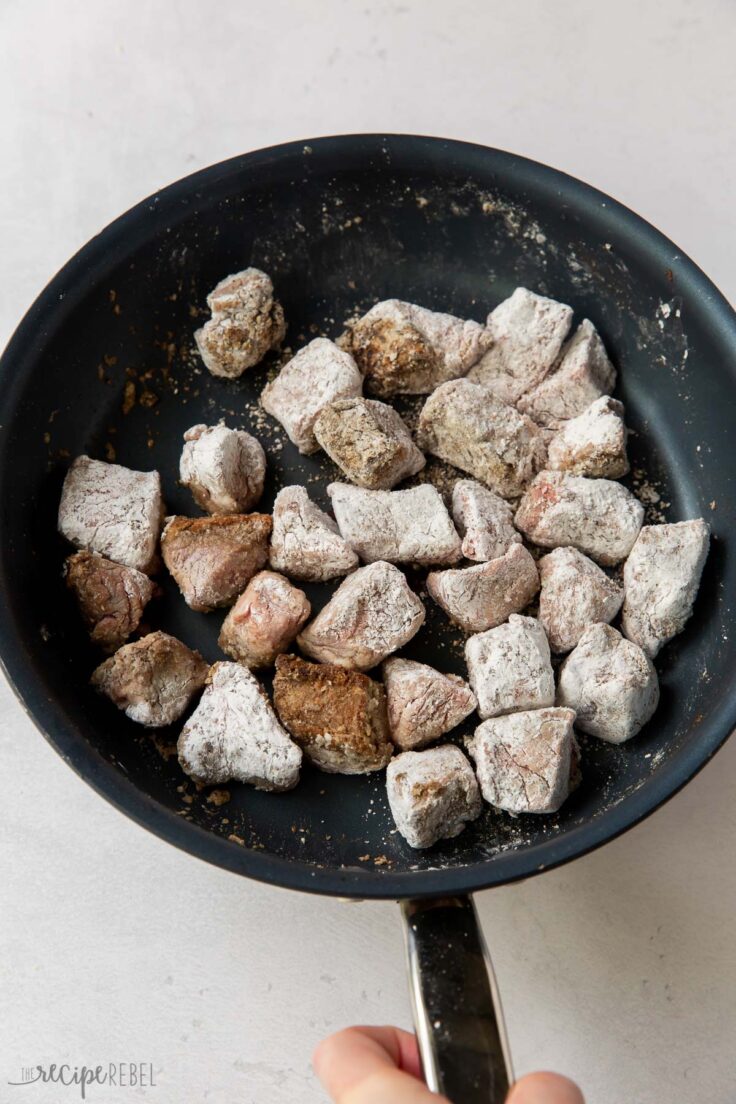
x=575, y=593
x=112, y=510
x=246, y=323
x=582, y=374
x=319, y=374
x=372, y=613
x=482, y=596
x=661, y=580
x=423, y=703
x=409, y=526
x=223, y=468
x=509, y=667
x=597, y=516
x=527, y=332
x=234, y=735
x=432, y=794
x=523, y=760
x=592, y=444
x=610, y=683
x=305, y=541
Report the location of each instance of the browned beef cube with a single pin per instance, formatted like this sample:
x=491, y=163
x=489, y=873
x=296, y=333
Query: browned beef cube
x=338, y=717
x=246, y=322
x=369, y=441
x=111, y=597
x=214, y=558
x=153, y=680
x=404, y=349
x=468, y=426
x=264, y=620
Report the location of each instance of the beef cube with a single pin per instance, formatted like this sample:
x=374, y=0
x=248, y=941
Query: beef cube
x=371, y=614
x=111, y=597
x=583, y=374
x=213, y=558
x=592, y=444
x=235, y=735
x=306, y=543
x=596, y=516
x=152, y=680
x=264, y=621
x=223, y=468
x=246, y=323
x=484, y=520
x=661, y=580
x=433, y=794
x=319, y=374
x=337, y=717
x=469, y=427
x=575, y=593
x=423, y=704
x=481, y=597
x=527, y=332
x=369, y=441
x=509, y=667
x=610, y=683
x=112, y=510
x=524, y=760
x=403, y=349
x=411, y=526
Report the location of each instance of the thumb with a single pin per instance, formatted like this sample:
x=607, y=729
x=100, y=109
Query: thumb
x=545, y=1088
x=372, y=1065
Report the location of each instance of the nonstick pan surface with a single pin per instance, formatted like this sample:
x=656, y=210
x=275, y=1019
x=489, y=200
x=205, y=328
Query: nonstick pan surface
x=103, y=363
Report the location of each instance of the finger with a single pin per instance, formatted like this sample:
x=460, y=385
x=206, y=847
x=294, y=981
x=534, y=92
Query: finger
x=409, y=1060
x=361, y=1065
x=545, y=1088
x=391, y=1086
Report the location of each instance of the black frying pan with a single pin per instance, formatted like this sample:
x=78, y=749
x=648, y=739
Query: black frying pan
x=340, y=223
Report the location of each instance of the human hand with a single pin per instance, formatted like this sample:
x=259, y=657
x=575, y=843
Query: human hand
x=380, y=1065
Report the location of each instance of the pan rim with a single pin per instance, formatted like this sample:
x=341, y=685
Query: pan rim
x=366, y=882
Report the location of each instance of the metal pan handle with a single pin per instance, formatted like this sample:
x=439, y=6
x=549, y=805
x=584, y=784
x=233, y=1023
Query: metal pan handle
x=457, y=1012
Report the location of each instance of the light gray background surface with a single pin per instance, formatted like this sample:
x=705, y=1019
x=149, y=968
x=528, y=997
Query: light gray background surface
x=618, y=970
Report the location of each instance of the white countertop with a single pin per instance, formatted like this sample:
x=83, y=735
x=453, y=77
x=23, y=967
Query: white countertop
x=618, y=969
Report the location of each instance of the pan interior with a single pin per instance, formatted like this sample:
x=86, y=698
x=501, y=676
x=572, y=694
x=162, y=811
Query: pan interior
x=109, y=369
